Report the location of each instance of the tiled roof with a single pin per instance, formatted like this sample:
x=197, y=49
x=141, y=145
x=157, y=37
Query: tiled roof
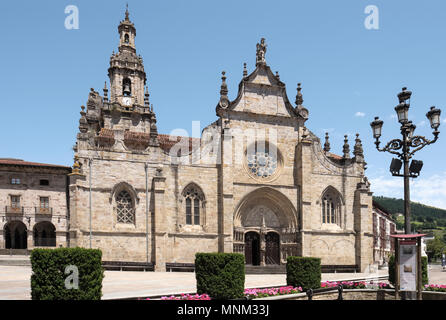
x=167, y=141
x=19, y=162
x=334, y=156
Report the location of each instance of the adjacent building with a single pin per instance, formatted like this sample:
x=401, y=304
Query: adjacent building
x=33, y=204
x=383, y=227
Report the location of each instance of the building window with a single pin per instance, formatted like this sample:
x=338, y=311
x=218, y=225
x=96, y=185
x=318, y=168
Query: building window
x=125, y=209
x=44, y=202
x=331, y=208
x=44, y=182
x=262, y=159
x=15, y=180
x=194, y=200
x=15, y=201
x=188, y=211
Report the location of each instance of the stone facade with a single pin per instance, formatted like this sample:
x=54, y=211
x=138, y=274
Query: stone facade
x=258, y=181
x=33, y=205
x=383, y=227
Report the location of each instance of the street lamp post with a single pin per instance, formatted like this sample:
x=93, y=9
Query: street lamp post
x=406, y=147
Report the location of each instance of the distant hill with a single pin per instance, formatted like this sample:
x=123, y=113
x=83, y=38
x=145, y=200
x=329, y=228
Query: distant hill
x=426, y=217
x=417, y=209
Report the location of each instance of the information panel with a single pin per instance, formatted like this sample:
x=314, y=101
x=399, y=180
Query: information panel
x=408, y=267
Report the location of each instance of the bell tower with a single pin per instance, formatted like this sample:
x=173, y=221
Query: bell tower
x=126, y=71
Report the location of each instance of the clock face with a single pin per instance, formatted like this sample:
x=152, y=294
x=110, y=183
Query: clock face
x=127, y=101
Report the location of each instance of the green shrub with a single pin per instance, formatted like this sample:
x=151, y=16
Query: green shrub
x=303, y=272
x=391, y=269
x=48, y=280
x=220, y=275
x=425, y=278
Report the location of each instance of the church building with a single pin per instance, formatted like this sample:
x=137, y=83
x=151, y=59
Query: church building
x=257, y=182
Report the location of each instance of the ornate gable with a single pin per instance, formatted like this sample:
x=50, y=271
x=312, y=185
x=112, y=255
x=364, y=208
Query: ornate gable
x=260, y=92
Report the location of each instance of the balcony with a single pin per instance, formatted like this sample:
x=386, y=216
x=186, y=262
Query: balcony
x=40, y=210
x=14, y=210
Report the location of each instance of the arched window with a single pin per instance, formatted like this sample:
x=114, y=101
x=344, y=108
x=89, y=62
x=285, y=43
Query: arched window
x=331, y=208
x=126, y=38
x=125, y=208
x=195, y=203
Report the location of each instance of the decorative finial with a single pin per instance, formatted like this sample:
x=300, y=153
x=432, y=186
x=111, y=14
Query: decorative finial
x=224, y=101
x=260, y=53
x=277, y=75
x=76, y=166
x=299, y=97
x=146, y=96
x=105, y=92
x=245, y=71
x=346, y=148
x=83, y=124
x=224, y=86
x=327, y=143
x=127, y=12
x=357, y=150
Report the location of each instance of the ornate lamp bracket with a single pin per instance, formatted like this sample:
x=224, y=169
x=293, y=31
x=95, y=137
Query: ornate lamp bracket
x=391, y=146
x=419, y=142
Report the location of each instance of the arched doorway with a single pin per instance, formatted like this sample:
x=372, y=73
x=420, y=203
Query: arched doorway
x=252, y=248
x=16, y=235
x=272, y=250
x=44, y=234
x=265, y=218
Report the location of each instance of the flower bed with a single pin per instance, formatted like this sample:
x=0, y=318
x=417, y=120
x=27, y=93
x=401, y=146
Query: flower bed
x=278, y=291
x=188, y=297
x=269, y=292
x=435, y=287
x=354, y=285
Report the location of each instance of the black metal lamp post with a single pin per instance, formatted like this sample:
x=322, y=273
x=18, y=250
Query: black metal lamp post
x=405, y=148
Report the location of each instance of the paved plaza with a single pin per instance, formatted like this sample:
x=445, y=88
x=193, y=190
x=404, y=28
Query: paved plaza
x=15, y=282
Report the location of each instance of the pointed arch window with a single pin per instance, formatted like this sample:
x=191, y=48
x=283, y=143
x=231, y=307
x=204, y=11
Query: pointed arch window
x=194, y=205
x=125, y=208
x=331, y=208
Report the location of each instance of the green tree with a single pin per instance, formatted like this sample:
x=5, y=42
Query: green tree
x=435, y=248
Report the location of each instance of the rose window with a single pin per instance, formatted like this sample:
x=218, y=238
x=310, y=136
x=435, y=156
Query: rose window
x=262, y=164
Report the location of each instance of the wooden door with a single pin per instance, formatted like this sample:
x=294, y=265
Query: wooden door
x=272, y=248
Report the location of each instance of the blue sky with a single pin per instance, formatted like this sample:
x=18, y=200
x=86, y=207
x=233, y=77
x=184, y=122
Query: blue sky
x=349, y=74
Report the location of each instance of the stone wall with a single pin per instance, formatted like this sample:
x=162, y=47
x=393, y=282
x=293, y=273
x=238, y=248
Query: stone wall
x=29, y=190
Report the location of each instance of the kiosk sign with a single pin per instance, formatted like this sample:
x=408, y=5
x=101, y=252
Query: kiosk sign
x=408, y=266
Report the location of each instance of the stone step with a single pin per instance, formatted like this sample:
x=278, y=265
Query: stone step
x=14, y=260
x=15, y=252
x=269, y=269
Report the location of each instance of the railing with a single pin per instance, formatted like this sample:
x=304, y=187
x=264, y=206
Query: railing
x=14, y=210
x=39, y=210
x=311, y=292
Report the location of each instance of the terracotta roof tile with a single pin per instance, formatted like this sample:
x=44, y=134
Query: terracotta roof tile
x=168, y=141
x=19, y=162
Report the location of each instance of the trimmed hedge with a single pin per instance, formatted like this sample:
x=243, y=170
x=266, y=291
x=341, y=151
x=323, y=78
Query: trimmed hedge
x=220, y=275
x=303, y=272
x=424, y=267
x=48, y=278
